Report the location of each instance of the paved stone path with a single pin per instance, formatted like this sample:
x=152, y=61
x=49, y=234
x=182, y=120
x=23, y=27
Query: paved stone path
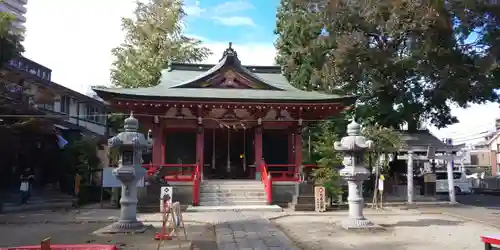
x=247, y=230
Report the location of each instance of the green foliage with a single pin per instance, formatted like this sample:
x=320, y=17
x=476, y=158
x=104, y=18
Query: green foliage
x=10, y=38
x=296, y=29
x=407, y=60
x=115, y=121
x=81, y=157
x=327, y=173
x=154, y=37
x=385, y=141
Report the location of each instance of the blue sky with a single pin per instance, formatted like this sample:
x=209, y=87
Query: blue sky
x=74, y=38
x=237, y=21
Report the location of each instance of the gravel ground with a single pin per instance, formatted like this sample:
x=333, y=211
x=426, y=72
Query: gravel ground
x=81, y=233
x=408, y=232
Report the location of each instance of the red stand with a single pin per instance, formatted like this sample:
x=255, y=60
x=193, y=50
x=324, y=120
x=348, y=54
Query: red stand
x=163, y=235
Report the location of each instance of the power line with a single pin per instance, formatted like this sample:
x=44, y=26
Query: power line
x=484, y=133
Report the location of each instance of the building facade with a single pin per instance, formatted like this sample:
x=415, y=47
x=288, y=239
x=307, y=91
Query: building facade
x=494, y=148
x=225, y=121
x=17, y=8
x=63, y=104
x=35, y=114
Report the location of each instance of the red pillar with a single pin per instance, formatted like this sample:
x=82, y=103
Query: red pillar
x=200, y=143
x=298, y=148
x=258, y=151
x=291, y=153
x=158, y=133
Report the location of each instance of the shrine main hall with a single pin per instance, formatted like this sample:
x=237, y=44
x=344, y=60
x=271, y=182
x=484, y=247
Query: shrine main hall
x=225, y=121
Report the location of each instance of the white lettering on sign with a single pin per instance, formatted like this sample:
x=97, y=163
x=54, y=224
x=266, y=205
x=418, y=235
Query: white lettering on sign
x=320, y=199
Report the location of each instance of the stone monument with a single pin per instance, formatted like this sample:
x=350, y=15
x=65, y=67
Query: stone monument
x=353, y=146
x=131, y=144
x=303, y=200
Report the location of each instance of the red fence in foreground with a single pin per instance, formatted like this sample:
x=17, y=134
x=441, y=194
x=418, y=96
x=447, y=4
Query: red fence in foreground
x=65, y=247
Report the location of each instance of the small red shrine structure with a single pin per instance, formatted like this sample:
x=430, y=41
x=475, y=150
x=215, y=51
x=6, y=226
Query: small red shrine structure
x=225, y=121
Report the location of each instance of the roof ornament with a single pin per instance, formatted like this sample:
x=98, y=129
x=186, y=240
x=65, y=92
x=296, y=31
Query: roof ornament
x=229, y=52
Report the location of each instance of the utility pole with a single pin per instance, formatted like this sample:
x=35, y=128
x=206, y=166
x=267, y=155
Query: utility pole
x=449, y=170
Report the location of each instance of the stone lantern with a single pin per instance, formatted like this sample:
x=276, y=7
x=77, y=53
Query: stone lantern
x=353, y=146
x=131, y=144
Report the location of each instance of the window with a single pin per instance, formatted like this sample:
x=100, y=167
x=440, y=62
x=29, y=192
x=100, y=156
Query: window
x=474, y=160
x=48, y=106
x=444, y=176
x=65, y=103
x=94, y=114
x=91, y=114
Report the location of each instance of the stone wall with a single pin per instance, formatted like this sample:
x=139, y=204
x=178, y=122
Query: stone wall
x=149, y=199
x=283, y=192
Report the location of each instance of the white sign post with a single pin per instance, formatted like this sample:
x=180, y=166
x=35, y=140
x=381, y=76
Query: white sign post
x=166, y=190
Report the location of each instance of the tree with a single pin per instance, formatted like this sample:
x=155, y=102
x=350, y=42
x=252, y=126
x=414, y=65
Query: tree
x=154, y=37
x=297, y=29
x=10, y=38
x=327, y=158
x=385, y=142
x=407, y=60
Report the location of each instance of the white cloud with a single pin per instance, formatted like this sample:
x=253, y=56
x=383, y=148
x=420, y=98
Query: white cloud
x=235, y=21
x=249, y=54
x=194, y=10
x=473, y=122
x=223, y=13
x=232, y=7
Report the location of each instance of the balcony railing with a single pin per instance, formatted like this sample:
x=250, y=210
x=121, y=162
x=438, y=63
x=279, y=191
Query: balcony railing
x=31, y=67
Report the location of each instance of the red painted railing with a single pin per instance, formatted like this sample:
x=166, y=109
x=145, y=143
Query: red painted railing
x=196, y=185
x=290, y=174
x=173, y=172
x=268, y=183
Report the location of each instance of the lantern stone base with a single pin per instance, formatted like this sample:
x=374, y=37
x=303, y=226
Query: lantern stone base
x=122, y=227
x=359, y=224
x=304, y=199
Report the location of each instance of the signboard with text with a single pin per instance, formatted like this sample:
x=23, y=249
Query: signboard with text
x=319, y=199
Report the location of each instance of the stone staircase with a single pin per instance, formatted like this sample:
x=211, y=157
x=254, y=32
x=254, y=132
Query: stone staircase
x=38, y=201
x=221, y=195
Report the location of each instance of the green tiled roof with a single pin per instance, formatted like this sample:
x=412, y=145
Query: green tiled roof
x=174, y=80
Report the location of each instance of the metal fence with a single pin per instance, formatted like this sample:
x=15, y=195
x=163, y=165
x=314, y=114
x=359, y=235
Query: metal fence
x=488, y=183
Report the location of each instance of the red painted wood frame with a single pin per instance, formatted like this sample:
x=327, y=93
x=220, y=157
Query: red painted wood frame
x=186, y=174
x=158, y=133
x=258, y=150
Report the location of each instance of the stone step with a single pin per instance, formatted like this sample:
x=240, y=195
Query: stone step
x=222, y=195
x=37, y=201
x=231, y=189
x=11, y=208
x=250, y=184
x=231, y=182
x=232, y=203
x=264, y=208
x=230, y=199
